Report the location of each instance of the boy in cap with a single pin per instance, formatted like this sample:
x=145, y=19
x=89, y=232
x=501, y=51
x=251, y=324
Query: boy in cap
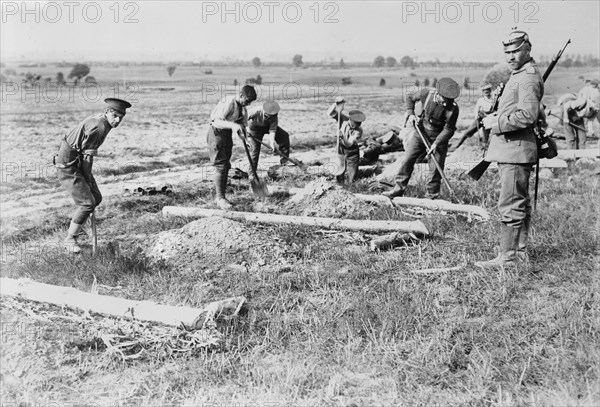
x=513, y=146
x=265, y=121
x=350, y=133
x=437, y=123
x=483, y=107
x=75, y=159
x=227, y=118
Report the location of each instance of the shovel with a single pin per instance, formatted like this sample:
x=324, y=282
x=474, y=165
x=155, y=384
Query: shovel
x=94, y=233
x=279, y=153
x=340, y=159
x=258, y=187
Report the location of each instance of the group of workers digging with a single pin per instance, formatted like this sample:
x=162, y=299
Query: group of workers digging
x=508, y=121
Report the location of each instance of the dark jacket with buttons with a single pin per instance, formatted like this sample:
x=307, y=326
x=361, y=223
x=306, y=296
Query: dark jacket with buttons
x=438, y=119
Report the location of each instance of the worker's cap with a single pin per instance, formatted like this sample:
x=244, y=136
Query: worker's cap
x=486, y=86
x=117, y=104
x=448, y=88
x=578, y=103
x=515, y=40
x=271, y=107
x=356, y=116
x=594, y=81
x=387, y=137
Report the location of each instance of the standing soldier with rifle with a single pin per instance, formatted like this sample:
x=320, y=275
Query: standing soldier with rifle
x=513, y=146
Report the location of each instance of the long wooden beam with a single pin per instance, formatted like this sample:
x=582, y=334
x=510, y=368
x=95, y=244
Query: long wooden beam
x=192, y=318
x=416, y=227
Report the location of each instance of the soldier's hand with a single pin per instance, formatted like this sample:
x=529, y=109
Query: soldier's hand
x=432, y=149
x=272, y=142
x=489, y=121
x=411, y=121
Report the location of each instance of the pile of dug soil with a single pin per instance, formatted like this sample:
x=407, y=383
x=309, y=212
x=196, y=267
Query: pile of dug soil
x=321, y=198
x=215, y=239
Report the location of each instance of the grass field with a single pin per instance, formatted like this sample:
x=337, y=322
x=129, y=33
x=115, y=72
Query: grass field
x=328, y=323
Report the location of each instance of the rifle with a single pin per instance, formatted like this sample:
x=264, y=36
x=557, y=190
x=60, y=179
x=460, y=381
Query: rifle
x=474, y=128
x=477, y=171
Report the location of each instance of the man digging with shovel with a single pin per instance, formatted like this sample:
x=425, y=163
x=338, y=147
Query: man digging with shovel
x=74, y=162
x=349, y=134
x=227, y=118
x=436, y=126
x=265, y=121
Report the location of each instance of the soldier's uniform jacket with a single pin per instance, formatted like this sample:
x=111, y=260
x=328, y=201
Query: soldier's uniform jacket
x=230, y=110
x=513, y=140
x=439, y=119
x=257, y=122
x=84, y=139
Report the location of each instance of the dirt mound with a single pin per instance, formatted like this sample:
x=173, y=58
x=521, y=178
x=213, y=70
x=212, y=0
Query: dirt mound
x=212, y=239
x=322, y=198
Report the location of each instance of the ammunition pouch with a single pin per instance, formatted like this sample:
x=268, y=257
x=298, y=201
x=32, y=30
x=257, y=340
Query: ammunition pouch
x=546, y=146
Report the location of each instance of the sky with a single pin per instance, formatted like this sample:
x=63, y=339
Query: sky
x=276, y=30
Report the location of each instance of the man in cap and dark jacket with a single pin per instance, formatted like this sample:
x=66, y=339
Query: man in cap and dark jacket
x=75, y=159
x=513, y=146
x=375, y=146
x=350, y=133
x=437, y=123
x=227, y=118
x=265, y=121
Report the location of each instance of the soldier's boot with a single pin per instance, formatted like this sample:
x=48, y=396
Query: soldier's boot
x=70, y=241
x=522, y=255
x=509, y=241
x=397, y=191
x=220, y=180
x=432, y=195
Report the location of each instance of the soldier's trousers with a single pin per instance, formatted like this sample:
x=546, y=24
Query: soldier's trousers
x=576, y=138
x=416, y=150
x=514, y=202
x=220, y=146
x=86, y=194
x=282, y=138
x=351, y=158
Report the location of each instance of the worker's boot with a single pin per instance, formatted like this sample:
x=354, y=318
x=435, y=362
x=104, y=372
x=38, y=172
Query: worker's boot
x=220, y=180
x=397, y=191
x=522, y=255
x=71, y=240
x=509, y=240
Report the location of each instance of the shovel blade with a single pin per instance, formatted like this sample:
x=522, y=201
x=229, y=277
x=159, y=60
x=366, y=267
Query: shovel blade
x=259, y=188
x=340, y=161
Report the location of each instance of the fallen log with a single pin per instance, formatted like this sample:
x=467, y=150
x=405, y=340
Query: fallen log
x=376, y=226
x=553, y=163
x=570, y=155
x=191, y=318
x=391, y=240
x=442, y=205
